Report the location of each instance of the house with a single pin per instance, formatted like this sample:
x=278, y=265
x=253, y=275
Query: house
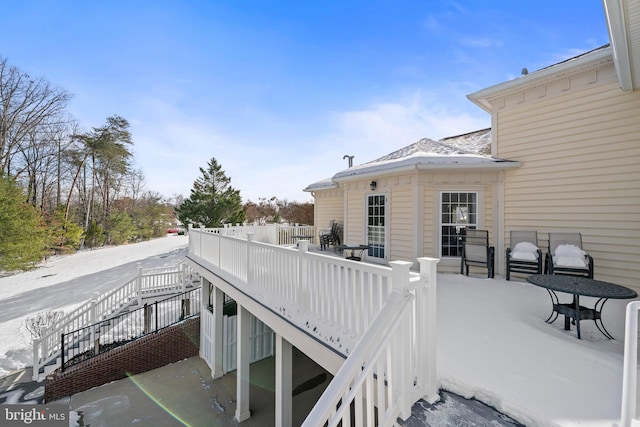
x=564, y=156
x=415, y=201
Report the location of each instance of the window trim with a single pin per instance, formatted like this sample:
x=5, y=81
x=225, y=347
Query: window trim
x=479, y=224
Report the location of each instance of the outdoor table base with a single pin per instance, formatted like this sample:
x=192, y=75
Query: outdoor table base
x=573, y=311
x=577, y=287
x=353, y=249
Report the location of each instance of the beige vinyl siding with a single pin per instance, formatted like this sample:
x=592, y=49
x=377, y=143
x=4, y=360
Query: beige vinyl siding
x=580, y=172
x=328, y=206
x=354, y=229
x=430, y=220
x=401, y=227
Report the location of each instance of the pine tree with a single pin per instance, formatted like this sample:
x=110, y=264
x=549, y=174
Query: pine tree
x=213, y=201
x=23, y=238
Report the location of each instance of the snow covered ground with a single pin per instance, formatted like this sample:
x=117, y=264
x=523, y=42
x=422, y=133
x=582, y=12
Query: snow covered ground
x=493, y=343
x=66, y=282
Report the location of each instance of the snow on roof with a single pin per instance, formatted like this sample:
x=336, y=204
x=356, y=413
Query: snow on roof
x=325, y=184
x=478, y=142
x=427, y=161
x=469, y=150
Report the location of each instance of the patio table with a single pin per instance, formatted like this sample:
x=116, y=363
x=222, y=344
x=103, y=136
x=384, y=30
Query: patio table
x=353, y=249
x=579, y=286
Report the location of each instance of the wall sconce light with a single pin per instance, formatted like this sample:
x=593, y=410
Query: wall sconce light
x=373, y=185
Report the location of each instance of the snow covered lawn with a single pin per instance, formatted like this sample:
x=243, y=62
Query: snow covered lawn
x=65, y=282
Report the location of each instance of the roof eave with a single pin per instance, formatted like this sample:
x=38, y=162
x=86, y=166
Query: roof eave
x=377, y=172
x=481, y=97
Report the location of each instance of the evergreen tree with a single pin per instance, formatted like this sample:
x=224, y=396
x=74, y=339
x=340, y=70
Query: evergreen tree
x=213, y=201
x=23, y=238
x=64, y=235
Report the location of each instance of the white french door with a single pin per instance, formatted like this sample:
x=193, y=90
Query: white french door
x=376, y=226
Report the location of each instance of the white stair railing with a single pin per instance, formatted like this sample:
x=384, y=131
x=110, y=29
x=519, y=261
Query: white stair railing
x=371, y=388
x=146, y=283
x=629, y=413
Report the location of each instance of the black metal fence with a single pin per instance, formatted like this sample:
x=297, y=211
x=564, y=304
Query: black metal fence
x=90, y=341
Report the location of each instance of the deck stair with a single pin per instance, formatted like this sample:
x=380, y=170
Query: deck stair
x=147, y=287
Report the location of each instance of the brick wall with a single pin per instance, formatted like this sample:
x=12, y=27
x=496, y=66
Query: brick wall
x=153, y=351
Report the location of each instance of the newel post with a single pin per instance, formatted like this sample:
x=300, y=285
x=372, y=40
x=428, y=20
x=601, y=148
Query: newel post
x=92, y=321
x=249, y=258
x=201, y=240
x=426, y=328
x=139, y=286
x=36, y=359
x=401, y=342
x=183, y=278
x=302, y=299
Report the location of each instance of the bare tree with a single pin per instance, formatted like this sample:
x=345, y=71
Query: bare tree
x=26, y=103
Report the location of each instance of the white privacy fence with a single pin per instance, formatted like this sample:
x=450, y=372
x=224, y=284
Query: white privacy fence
x=629, y=415
x=336, y=301
x=147, y=283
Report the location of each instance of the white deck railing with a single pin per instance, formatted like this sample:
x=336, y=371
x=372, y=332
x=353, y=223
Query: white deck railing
x=145, y=284
x=336, y=301
x=275, y=234
x=629, y=414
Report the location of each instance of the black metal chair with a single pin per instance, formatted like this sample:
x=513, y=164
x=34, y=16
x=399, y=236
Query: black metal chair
x=523, y=254
x=566, y=256
x=332, y=236
x=477, y=252
x=324, y=236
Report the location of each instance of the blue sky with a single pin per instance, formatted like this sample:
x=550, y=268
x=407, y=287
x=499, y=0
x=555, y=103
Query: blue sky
x=279, y=91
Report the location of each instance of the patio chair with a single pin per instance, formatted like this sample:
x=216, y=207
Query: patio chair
x=566, y=255
x=523, y=254
x=325, y=235
x=332, y=236
x=477, y=252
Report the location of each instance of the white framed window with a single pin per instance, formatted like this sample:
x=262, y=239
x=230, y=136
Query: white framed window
x=458, y=210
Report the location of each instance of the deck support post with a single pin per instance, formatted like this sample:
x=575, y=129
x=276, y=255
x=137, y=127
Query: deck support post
x=284, y=387
x=217, y=301
x=243, y=380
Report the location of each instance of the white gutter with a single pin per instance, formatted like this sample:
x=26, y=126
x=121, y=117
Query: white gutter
x=615, y=13
x=377, y=171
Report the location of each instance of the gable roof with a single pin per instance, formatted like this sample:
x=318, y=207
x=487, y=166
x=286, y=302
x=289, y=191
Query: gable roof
x=466, y=151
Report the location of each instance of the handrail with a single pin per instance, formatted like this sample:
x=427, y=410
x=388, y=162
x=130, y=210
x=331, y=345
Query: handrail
x=147, y=282
x=337, y=301
x=106, y=335
x=629, y=416
x=368, y=377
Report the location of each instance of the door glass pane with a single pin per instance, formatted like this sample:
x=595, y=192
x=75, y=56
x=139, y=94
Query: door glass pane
x=458, y=211
x=375, y=226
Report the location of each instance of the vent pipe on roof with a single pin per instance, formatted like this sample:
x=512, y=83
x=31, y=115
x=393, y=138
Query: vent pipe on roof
x=346, y=156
